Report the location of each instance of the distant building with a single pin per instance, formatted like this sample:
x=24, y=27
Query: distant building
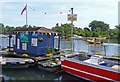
x=34, y=41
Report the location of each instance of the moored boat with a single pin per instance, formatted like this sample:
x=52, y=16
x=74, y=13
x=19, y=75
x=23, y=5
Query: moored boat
x=8, y=62
x=93, y=69
x=50, y=65
x=95, y=41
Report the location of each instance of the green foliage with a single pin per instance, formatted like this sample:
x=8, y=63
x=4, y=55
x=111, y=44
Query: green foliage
x=9, y=29
x=1, y=28
x=98, y=26
x=49, y=49
x=117, y=30
x=95, y=29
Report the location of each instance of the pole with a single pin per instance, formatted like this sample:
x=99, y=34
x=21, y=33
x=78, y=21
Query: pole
x=9, y=41
x=58, y=42
x=72, y=32
x=105, y=50
x=10, y=36
x=26, y=16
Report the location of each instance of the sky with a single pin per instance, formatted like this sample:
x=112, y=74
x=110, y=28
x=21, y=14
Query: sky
x=86, y=10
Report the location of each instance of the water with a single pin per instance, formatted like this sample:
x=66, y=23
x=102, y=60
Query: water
x=108, y=49
x=35, y=74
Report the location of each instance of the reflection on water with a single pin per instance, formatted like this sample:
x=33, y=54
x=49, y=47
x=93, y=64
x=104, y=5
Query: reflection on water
x=28, y=74
x=36, y=74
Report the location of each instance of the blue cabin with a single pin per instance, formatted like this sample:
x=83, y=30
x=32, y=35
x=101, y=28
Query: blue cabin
x=34, y=41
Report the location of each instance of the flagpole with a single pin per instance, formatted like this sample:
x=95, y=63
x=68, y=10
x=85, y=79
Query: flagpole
x=26, y=17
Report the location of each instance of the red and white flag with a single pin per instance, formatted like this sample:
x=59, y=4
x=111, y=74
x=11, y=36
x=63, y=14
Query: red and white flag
x=25, y=8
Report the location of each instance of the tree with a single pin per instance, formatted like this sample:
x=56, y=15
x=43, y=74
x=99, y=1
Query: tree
x=86, y=29
x=64, y=29
x=1, y=28
x=98, y=25
x=118, y=33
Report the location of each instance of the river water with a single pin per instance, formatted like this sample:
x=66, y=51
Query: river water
x=108, y=49
x=35, y=74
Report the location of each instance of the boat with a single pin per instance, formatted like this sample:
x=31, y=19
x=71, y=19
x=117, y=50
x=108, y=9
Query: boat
x=76, y=37
x=94, y=68
x=11, y=62
x=53, y=65
x=94, y=41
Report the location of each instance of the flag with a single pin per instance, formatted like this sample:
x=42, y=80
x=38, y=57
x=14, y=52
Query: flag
x=25, y=8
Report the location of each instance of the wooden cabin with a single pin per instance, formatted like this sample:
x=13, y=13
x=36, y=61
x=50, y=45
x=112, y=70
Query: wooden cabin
x=34, y=41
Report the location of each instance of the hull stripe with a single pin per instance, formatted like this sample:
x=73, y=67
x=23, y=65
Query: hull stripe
x=87, y=73
x=97, y=71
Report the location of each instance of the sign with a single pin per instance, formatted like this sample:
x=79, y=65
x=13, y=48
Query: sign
x=34, y=42
x=72, y=17
x=24, y=37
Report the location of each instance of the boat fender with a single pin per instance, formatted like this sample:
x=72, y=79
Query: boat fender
x=3, y=63
x=30, y=61
x=26, y=60
x=116, y=67
x=53, y=63
x=22, y=62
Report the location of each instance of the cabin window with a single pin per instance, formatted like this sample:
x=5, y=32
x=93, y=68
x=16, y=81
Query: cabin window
x=18, y=43
x=24, y=46
x=34, y=42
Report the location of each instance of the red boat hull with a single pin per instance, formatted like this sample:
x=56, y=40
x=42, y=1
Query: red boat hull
x=89, y=72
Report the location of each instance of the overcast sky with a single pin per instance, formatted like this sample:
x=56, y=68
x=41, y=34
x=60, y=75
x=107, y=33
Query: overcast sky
x=86, y=10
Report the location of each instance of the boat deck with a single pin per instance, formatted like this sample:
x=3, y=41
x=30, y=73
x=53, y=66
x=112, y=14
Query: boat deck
x=7, y=59
x=81, y=58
